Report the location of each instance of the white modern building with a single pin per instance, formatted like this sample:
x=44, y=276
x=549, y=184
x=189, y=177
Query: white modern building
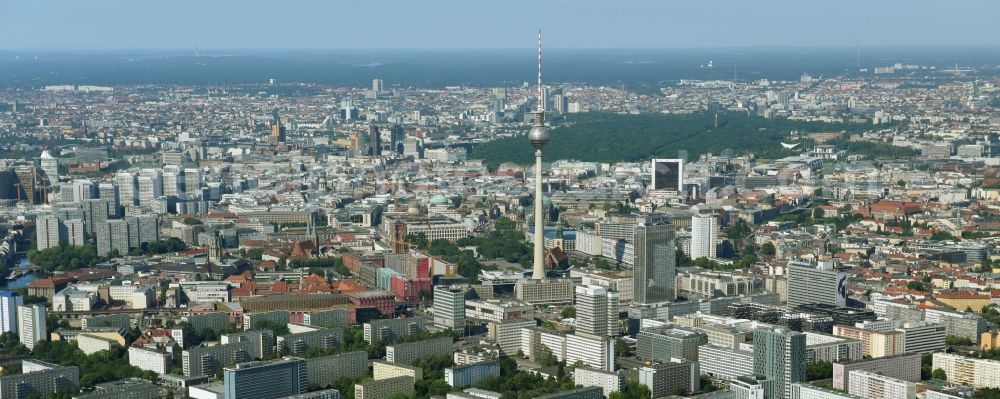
x=9, y=301
x=704, y=236
x=875, y=386
x=31, y=324
x=155, y=360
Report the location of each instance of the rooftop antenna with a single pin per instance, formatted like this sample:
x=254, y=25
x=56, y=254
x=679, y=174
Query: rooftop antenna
x=541, y=104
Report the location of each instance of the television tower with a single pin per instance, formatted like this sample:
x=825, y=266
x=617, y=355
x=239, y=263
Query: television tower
x=539, y=137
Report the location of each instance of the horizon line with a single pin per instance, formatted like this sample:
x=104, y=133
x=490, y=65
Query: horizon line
x=335, y=49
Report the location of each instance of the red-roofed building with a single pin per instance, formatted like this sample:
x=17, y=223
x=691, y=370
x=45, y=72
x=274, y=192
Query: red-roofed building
x=347, y=286
x=893, y=210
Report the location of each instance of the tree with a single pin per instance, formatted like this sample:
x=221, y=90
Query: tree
x=568, y=312
x=916, y=285
x=939, y=374
x=819, y=371
x=738, y=232
x=621, y=347
x=768, y=249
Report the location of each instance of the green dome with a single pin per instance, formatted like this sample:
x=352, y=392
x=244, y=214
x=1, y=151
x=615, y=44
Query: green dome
x=438, y=199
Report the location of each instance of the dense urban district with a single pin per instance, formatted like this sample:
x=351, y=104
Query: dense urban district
x=830, y=237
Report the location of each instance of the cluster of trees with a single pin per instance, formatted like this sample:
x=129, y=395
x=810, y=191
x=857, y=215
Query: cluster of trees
x=165, y=246
x=337, y=264
x=605, y=137
x=986, y=393
x=819, y=371
x=69, y=257
x=958, y=341
x=874, y=150
x=102, y=366
x=65, y=257
x=504, y=242
x=516, y=384
x=990, y=313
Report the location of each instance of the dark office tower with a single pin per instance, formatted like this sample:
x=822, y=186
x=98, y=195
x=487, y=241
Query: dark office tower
x=396, y=138
x=8, y=185
x=374, y=141
x=655, y=271
x=277, y=130
x=779, y=355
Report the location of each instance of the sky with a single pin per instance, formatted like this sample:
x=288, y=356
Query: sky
x=479, y=24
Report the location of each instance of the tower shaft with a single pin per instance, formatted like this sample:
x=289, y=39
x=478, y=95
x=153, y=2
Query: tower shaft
x=538, y=269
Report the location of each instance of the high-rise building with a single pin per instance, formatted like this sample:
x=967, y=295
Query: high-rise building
x=560, y=103
x=655, y=267
x=374, y=141
x=109, y=192
x=171, y=180
x=50, y=165
x=95, y=212
x=112, y=235
x=663, y=343
x=396, y=136
x=704, y=235
x=596, y=307
x=923, y=337
x=31, y=324
x=72, y=232
x=9, y=302
x=128, y=188
x=823, y=283
x=663, y=378
x=142, y=229
x=347, y=105
x=266, y=380
x=150, y=186
x=84, y=190
x=779, y=355
x=277, y=130
x=47, y=232
x=192, y=180
x=377, y=85
x=449, y=308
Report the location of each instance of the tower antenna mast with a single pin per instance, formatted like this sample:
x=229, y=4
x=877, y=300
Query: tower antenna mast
x=541, y=104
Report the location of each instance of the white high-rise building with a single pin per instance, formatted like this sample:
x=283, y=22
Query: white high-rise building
x=596, y=310
x=72, y=232
x=9, y=301
x=128, y=190
x=31, y=324
x=171, y=180
x=704, y=236
x=47, y=232
x=84, y=190
x=594, y=351
x=50, y=165
x=377, y=85
x=449, y=309
x=192, y=180
x=150, y=183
